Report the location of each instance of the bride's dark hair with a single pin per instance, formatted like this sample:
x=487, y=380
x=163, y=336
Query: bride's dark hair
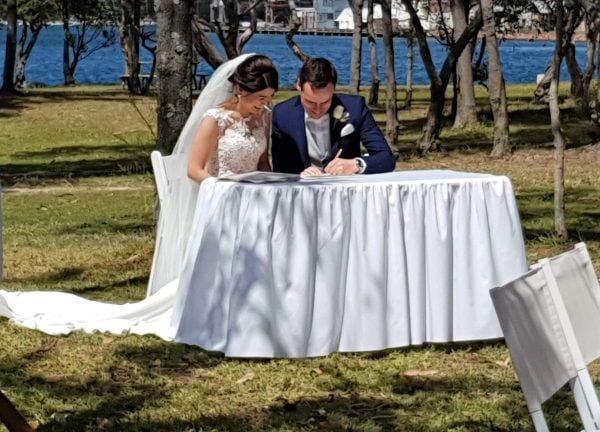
x=256, y=73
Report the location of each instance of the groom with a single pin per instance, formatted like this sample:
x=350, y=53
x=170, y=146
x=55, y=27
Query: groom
x=322, y=131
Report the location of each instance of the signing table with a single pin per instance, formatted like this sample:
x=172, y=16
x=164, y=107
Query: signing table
x=355, y=264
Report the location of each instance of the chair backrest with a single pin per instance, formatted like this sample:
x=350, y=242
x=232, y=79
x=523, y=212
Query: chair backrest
x=1, y=238
x=166, y=169
x=176, y=194
x=550, y=316
x=580, y=292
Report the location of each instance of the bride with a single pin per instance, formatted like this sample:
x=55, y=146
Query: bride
x=226, y=133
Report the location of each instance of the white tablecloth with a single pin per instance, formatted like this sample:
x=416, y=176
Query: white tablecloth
x=372, y=262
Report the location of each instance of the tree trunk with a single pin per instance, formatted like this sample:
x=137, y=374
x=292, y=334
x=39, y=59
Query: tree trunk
x=588, y=74
x=248, y=33
x=229, y=32
x=8, y=81
x=559, y=141
x=433, y=123
x=540, y=94
x=67, y=40
x=571, y=20
x=24, y=51
x=357, y=7
x=294, y=27
x=391, y=107
x=410, y=65
x=466, y=109
x=375, y=79
x=204, y=46
x=481, y=54
x=174, y=67
x=150, y=12
x=454, y=103
x=439, y=82
x=575, y=72
x=130, y=43
x=497, y=89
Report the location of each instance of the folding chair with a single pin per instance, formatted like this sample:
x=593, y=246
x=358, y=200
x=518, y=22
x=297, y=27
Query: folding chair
x=167, y=171
x=1, y=239
x=550, y=317
x=11, y=417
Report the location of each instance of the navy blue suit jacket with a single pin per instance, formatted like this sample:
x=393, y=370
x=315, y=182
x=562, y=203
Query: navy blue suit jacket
x=290, y=148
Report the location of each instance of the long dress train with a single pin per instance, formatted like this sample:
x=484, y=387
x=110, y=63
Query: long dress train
x=238, y=150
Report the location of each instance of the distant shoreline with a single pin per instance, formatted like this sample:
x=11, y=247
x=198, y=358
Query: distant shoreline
x=521, y=36
x=542, y=37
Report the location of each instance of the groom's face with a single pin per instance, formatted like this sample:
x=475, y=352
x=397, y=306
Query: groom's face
x=316, y=101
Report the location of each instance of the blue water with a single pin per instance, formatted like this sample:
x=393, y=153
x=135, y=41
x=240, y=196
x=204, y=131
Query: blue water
x=522, y=60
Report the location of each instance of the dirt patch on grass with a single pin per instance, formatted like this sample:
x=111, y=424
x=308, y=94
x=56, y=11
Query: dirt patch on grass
x=71, y=189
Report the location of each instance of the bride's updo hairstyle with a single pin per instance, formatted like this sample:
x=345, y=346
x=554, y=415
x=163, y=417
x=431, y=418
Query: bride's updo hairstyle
x=256, y=73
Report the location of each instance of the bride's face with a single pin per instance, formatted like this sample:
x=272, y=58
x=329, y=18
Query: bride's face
x=253, y=103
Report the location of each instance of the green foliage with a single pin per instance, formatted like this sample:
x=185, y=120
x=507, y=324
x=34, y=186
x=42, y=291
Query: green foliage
x=39, y=12
x=512, y=16
x=93, y=12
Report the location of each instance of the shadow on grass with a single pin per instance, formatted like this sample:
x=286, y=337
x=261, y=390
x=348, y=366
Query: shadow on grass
x=530, y=129
x=574, y=234
x=32, y=173
x=136, y=391
x=537, y=213
x=70, y=151
x=11, y=105
x=63, y=94
x=71, y=274
x=111, y=225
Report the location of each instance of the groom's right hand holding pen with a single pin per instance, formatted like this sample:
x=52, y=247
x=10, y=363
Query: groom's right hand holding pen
x=339, y=166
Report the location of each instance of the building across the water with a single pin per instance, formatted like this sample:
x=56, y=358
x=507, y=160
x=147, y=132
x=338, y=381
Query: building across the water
x=335, y=16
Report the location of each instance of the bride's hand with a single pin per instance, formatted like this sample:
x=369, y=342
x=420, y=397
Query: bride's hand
x=312, y=171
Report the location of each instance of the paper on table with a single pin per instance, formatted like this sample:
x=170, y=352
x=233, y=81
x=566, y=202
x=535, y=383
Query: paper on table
x=261, y=177
x=329, y=177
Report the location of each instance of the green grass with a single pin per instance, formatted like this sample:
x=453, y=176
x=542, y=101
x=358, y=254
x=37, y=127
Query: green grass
x=78, y=217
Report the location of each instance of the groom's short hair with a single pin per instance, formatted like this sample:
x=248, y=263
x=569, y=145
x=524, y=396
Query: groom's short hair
x=319, y=72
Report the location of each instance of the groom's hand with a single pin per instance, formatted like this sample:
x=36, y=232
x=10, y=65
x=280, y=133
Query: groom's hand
x=339, y=166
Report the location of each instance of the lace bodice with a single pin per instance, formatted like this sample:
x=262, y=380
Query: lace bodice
x=240, y=144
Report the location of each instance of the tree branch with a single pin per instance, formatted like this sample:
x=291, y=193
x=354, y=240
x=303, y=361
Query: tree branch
x=459, y=46
x=252, y=6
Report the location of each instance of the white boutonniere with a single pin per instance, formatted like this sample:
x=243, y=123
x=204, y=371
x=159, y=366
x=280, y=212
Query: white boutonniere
x=340, y=114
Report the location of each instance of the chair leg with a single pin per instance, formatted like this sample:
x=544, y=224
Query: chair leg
x=586, y=400
x=539, y=421
x=11, y=417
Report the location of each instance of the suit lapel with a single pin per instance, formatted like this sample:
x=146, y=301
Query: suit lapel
x=300, y=131
x=334, y=127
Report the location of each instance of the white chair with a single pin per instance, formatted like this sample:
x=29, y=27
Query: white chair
x=168, y=170
x=550, y=317
x=1, y=239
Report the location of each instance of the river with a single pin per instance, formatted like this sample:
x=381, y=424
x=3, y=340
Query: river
x=522, y=60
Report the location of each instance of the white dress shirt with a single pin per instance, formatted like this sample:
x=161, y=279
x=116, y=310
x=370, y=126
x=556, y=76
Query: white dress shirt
x=318, y=140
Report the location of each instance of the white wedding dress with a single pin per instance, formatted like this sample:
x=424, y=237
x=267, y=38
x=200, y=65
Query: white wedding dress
x=239, y=148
